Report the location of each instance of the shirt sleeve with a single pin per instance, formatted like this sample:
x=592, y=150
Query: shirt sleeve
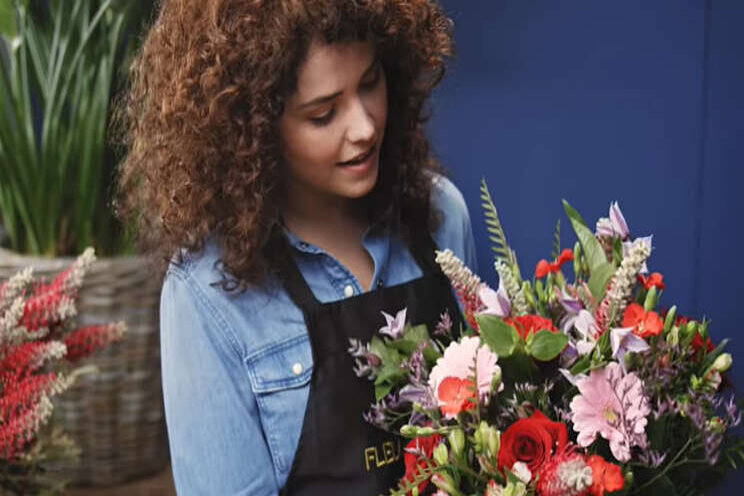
x=216, y=441
x=455, y=230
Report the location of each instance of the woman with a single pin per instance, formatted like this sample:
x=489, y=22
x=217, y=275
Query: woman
x=277, y=148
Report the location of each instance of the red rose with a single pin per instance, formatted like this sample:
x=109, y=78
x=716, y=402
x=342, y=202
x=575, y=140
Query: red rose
x=644, y=323
x=422, y=448
x=606, y=477
x=530, y=324
x=455, y=395
x=531, y=441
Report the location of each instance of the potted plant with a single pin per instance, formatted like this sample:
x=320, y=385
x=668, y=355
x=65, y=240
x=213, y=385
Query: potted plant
x=59, y=67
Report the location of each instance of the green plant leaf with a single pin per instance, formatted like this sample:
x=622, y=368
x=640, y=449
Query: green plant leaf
x=547, y=345
x=493, y=225
x=556, y=240
x=381, y=390
x=599, y=279
x=593, y=251
x=497, y=334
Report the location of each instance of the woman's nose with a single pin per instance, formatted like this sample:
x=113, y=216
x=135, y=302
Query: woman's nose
x=361, y=124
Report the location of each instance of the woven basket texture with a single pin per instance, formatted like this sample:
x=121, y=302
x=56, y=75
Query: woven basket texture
x=115, y=416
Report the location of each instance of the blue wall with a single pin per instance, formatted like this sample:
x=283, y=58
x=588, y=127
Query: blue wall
x=594, y=101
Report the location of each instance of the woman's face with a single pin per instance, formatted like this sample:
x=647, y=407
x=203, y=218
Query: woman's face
x=333, y=125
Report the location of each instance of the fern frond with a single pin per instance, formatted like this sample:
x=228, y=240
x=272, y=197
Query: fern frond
x=493, y=225
x=556, y=240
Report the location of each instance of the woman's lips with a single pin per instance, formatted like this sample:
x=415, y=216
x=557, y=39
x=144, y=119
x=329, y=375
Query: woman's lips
x=360, y=159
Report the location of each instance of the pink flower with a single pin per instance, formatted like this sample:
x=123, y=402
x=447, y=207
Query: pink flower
x=394, y=325
x=457, y=362
x=611, y=403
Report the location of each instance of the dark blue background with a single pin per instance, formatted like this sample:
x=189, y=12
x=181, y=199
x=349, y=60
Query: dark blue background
x=594, y=101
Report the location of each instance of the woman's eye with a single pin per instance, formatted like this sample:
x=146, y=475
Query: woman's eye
x=368, y=85
x=323, y=119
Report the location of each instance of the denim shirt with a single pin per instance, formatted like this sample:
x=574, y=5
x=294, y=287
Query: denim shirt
x=236, y=367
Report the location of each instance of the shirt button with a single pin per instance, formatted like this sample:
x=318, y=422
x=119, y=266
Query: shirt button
x=297, y=368
x=380, y=283
x=348, y=290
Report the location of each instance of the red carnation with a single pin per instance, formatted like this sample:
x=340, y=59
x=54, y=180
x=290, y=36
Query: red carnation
x=606, y=477
x=644, y=323
x=530, y=324
x=417, y=452
x=655, y=279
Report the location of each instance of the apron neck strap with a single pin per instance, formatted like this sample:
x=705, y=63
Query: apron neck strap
x=279, y=252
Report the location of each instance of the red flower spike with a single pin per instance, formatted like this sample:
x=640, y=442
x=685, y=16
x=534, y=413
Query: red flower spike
x=86, y=340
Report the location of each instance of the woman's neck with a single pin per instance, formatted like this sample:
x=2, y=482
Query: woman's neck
x=323, y=220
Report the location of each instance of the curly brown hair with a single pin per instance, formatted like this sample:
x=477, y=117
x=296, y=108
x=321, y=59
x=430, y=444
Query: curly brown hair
x=199, y=119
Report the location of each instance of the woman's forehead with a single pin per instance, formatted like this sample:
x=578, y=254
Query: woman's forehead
x=331, y=67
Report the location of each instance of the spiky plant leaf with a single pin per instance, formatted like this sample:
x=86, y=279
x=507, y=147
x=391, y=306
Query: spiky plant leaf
x=496, y=233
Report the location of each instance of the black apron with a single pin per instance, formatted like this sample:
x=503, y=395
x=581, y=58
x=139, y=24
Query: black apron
x=338, y=451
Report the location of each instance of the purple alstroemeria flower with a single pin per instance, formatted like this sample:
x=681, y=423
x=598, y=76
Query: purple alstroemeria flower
x=588, y=328
x=614, y=226
x=421, y=394
x=496, y=302
x=571, y=305
x=623, y=340
x=395, y=325
x=628, y=244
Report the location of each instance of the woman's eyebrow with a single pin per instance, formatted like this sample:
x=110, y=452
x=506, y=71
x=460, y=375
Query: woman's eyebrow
x=327, y=98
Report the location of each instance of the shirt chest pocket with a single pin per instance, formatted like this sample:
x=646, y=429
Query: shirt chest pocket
x=280, y=379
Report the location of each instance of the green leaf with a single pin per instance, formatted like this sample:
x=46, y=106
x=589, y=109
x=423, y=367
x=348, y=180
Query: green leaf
x=381, y=390
x=556, y=240
x=599, y=279
x=7, y=20
x=493, y=225
x=593, y=251
x=391, y=358
x=547, y=345
x=497, y=334
x=582, y=365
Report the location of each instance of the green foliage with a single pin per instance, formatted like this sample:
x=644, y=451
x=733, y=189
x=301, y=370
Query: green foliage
x=55, y=91
x=599, y=279
x=497, y=334
x=556, y=240
x=495, y=231
x=590, y=247
x=547, y=345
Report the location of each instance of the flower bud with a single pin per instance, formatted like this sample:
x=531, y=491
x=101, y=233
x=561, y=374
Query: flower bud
x=650, y=302
x=456, y=440
x=496, y=380
x=716, y=425
x=440, y=454
x=669, y=319
x=722, y=362
x=494, y=442
x=409, y=431
x=528, y=294
x=672, y=338
x=444, y=482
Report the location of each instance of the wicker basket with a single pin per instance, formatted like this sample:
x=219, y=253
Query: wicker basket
x=115, y=416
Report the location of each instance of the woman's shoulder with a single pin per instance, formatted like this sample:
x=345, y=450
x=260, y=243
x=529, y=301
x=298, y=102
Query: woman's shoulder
x=250, y=320
x=454, y=230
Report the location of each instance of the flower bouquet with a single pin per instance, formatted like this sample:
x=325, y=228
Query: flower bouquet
x=556, y=388
x=39, y=348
